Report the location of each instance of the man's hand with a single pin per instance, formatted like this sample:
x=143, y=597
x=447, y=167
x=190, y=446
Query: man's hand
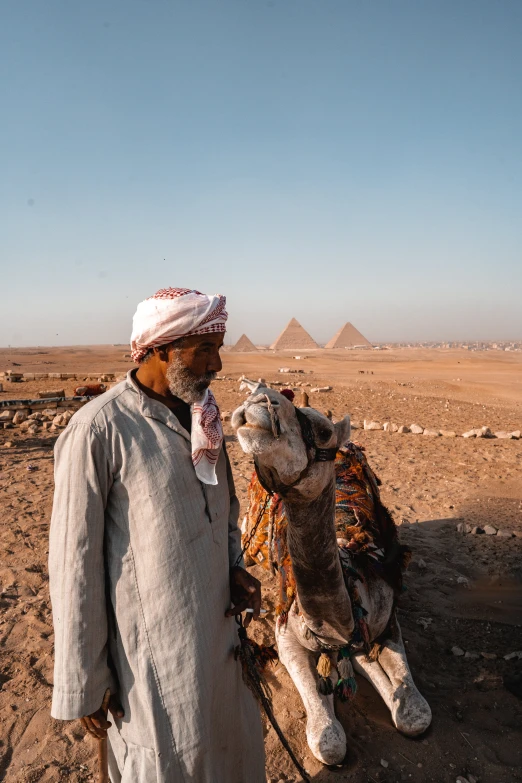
x=245, y=592
x=97, y=723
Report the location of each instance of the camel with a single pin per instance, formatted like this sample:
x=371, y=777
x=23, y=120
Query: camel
x=294, y=458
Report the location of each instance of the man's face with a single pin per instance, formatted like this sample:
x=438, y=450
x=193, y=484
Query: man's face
x=192, y=367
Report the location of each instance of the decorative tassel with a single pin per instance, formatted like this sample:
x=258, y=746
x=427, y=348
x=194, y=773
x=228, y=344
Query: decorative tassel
x=282, y=617
x=345, y=668
x=364, y=632
x=324, y=667
x=263, y=655
x=252, y=671
x=346, y=687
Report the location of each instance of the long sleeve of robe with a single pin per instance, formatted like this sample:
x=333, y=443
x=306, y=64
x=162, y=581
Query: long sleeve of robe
x=139, y=562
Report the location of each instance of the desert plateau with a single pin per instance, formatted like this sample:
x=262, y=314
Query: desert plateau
x=456, y=500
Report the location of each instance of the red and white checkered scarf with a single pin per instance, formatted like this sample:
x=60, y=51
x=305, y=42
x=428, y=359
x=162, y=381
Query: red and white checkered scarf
x=168, y=315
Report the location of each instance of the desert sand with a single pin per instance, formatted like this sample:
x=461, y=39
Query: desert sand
x=463, y=590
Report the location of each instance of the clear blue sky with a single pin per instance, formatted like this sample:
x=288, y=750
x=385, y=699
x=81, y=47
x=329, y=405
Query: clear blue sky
x=331, y=160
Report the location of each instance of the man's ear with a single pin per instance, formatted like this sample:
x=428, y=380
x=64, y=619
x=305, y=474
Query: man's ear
x=162, y=352
x=343, y=431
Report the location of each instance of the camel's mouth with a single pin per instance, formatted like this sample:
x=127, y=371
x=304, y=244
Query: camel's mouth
x=249, y=426
x=252, y=417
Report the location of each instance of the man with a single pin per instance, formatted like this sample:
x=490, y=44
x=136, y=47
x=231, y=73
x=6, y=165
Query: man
x=145, y=562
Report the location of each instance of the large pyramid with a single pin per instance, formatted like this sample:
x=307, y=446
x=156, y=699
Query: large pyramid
x=244, y=345
x=294, y=337
x=348, y=337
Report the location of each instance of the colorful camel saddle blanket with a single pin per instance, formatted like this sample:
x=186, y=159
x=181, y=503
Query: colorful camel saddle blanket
x=365, y=529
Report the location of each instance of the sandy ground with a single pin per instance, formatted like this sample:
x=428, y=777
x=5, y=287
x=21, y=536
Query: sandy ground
x=431, y=483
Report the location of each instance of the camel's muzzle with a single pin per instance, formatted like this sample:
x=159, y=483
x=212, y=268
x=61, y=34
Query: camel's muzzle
x=258, y=412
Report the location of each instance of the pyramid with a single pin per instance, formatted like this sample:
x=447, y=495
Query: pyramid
x=294, y=337
x=348, y=337
x=244, y=345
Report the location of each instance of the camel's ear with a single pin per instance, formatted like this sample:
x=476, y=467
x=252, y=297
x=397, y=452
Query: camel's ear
x=343, y=431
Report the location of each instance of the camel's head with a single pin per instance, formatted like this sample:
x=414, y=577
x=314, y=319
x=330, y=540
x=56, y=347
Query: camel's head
x=293, y=448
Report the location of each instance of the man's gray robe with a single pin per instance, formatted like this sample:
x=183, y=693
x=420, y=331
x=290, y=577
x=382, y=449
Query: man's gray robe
x=139, y=574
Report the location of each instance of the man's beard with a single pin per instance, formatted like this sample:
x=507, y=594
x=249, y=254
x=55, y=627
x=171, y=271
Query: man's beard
x=184, y=384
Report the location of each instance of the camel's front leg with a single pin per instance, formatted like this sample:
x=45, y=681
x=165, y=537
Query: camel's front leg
x=324, y=733
x=391, y=677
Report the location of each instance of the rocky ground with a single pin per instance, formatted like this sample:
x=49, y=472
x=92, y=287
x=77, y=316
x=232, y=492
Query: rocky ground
x=461, y=614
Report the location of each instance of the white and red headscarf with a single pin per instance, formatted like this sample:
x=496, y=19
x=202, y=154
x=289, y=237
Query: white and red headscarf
x=173, y=313
x=168, y=315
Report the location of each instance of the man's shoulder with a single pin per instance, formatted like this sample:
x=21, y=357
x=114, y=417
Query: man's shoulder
x=101, y=411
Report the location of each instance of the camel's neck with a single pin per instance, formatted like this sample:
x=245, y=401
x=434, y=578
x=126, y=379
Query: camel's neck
x=312, y=544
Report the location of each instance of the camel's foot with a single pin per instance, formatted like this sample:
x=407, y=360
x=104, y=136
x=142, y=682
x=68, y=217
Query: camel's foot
x=410, y=711
x=327, y=741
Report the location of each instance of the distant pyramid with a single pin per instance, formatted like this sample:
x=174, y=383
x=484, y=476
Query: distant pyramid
x=347, y=337
x=244, y=345
x=294, y=337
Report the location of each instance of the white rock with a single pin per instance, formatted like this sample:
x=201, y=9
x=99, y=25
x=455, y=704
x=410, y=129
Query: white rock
x=384, y=763
x=20, y=416
x=38, y=416
x=421, y=563
x=403, y=429
x=45, y=395
x=504, y=435
x=7, y=415
x=458, y=651
x=433, y=433
x=471, y=655
x=511, y=655
x=394, y=428
x=28, y=425
x=58, y=420
x=284, y=369
x=416, y=429
x=470, y=434
x=504, y=533
x=387, y=426
x=321, y=389
x=372, y=425
x=463, y=580
x=489, y=530
x=448, y=434
x=516, y=434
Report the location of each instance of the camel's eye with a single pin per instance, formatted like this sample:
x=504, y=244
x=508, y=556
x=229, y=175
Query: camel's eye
x=324, y=434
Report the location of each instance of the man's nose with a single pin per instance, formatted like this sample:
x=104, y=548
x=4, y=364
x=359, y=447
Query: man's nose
x=215, y=364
